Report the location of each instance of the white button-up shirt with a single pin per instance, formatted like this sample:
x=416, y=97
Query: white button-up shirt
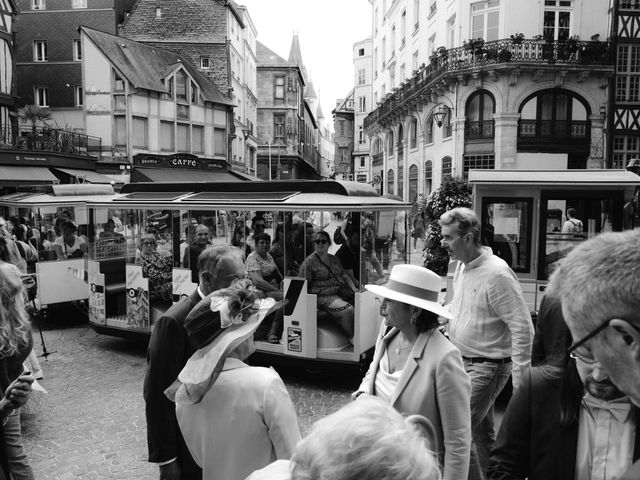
x=606, y=438
x=490, y=316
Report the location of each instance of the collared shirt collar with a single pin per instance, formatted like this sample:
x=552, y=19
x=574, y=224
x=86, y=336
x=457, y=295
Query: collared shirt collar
x=479, y=260
x=202, y=295
x=619, y=408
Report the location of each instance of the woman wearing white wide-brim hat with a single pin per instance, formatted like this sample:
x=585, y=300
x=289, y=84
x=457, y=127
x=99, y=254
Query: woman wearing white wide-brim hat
x=416, y=369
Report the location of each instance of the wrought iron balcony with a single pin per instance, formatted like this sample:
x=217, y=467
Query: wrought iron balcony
x=46, y=139
x=479, y=130
x=454, y=62
x=553, y=132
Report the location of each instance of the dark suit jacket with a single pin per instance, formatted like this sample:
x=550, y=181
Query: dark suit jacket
x=168, y=352
x=552, y=336
x=531, y=442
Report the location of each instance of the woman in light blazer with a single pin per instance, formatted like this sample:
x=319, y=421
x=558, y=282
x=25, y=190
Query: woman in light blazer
x=417, y=370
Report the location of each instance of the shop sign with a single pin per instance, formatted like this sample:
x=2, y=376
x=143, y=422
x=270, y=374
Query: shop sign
x=178, y=160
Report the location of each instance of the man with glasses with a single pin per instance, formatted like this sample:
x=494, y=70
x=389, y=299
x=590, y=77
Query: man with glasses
x=599, y=284
x=491, y=324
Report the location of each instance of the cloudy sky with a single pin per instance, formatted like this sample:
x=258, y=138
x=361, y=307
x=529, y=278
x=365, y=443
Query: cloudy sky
x=327, y=31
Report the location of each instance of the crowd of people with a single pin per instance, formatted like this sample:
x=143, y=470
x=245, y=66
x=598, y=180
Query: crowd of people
x=425, y=407
x=573, y=411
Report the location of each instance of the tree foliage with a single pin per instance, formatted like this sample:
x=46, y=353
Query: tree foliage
x=452, y=193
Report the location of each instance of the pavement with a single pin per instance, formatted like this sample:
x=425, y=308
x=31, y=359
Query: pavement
x=91, y=425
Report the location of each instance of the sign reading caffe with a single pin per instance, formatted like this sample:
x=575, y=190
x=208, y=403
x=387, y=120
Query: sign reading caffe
x=178, y=160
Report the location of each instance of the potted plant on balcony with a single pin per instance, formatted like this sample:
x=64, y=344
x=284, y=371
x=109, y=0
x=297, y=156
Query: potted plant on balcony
x=517, y=38
x=594, y=51
x=568, y=48
x=33, y=114
x=504, y=55
x=473, y=45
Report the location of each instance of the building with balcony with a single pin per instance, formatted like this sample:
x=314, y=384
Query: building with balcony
x=218, y=38
x=363, y=104
x=287, y=128
x=488, y=84
x=49, y=53
x=153, y=108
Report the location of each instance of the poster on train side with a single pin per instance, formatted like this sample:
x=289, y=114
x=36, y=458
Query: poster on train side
x=137, y=298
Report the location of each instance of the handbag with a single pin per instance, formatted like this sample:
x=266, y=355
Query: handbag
x=345, y=292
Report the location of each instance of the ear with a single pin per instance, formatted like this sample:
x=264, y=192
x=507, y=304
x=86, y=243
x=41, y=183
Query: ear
x=628, y=334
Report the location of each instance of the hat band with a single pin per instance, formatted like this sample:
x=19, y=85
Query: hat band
x=406, y=289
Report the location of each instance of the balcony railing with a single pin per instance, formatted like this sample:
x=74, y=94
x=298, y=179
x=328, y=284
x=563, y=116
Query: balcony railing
x=479, y=130
x=553, y=132
x=45, y=139
x=456, y=60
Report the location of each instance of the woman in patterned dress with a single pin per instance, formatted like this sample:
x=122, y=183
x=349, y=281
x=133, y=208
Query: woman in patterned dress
x=326, y=278
x=155, y=267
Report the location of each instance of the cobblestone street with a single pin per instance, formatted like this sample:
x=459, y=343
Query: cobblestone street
x=92, y=424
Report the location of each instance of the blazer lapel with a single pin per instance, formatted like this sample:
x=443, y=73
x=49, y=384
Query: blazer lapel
x=381, y=346
x=412, y=364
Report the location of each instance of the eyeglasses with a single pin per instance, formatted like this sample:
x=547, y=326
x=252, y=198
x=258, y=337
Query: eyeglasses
x=320, y=241
x=148, y=243
x=581, y=351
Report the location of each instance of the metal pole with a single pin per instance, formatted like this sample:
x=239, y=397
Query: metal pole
x=269, y=160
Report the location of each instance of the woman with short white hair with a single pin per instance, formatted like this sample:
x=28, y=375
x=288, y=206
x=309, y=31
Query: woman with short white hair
x=364, y=440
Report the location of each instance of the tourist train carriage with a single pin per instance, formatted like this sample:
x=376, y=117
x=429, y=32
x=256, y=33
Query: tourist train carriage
x=58, y=281
x=523, y=212
x=120, y=302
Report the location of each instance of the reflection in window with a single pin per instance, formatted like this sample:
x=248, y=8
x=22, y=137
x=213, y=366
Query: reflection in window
x=507, y=230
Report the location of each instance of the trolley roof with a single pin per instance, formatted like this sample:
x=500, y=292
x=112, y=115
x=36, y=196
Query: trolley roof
x=59, y=195
x=275, y=195
x=579, y=178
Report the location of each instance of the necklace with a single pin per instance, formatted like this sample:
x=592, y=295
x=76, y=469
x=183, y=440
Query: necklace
x=400, y=347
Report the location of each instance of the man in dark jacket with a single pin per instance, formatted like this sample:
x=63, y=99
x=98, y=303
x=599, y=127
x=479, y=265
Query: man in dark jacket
x=169, y=349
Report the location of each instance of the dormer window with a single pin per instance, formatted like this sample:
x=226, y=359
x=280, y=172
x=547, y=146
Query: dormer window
x=118, y=82
x=158, y=12
x=38, y=5
x=181, y=86
x=169, y=85
x=194, y=93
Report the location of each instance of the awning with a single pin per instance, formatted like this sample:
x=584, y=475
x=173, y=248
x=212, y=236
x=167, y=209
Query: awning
x=11, y=175
x=85, y=175
x=141, y=174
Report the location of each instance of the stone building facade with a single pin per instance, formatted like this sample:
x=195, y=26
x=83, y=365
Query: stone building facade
x=363, y=98
x=343, y=124
x=287, y=128
x=530, y=94
x=218, y=38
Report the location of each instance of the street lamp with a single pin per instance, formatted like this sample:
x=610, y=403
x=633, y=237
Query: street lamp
x=440, y=115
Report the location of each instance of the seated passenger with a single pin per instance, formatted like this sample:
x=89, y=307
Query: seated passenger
x=110, y=243
x=110, y=231
x=156, y=268
x=266, y=277
x=49, y=239
x=201, y=241
x=239, y=240
x=69, y=245
x=326, y=278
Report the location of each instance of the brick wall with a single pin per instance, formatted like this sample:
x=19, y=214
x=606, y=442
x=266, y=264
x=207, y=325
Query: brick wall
x=180, y=20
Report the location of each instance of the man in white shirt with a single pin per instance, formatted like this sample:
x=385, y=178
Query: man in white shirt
x=599, y=283
x=491, y=324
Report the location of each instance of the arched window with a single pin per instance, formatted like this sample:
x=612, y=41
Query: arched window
x=556, y=121
x=479, y=112
x=390, y=144
x=413, y=183
x=428, y=177
x=428, y=133
x=446, y=167
x=413, y=133
x=390, y=181
x=400, y=162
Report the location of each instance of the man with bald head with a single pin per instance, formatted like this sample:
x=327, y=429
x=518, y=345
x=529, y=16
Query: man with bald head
x=201, y=240
x=169, y=350
x=599, y=284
